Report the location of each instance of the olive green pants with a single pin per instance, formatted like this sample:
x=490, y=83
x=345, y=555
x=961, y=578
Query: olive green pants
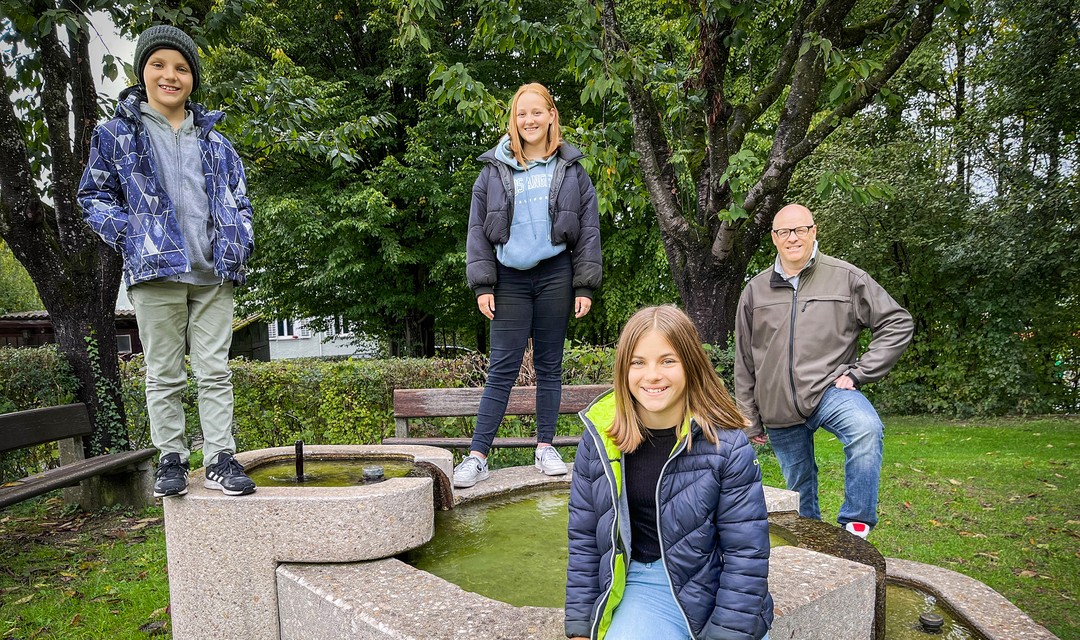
x=175, y=317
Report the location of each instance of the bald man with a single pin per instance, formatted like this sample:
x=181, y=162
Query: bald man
x=798, y=368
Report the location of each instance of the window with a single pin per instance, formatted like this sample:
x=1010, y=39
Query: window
x=123, y=343
x=338, y=326
x=281, y=330
x=288, y=330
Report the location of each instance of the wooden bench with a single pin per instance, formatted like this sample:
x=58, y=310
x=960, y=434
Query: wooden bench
x=125, y=477
x=465, y=402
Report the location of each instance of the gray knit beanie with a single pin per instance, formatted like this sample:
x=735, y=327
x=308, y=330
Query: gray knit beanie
x=164, y=36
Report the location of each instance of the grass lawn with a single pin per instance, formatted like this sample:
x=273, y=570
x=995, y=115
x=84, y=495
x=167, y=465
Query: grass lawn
x=996, y=500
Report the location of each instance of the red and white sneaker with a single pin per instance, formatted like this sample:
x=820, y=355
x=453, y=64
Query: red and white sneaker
x=860, y=529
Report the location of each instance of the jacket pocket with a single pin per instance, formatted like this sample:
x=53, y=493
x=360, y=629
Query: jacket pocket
x=566, y=227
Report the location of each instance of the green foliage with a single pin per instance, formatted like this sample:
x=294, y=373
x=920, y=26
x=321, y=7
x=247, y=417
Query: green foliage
x=109, y=419
x=17, y=291
x=31, y=379
x=966, y=210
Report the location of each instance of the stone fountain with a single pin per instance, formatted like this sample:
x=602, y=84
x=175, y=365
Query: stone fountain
x=307, y=563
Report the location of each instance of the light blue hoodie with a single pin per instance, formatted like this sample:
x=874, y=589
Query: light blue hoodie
x=530, y=228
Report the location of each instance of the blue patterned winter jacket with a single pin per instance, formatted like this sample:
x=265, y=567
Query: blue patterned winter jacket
x=124, y=202
x=714, y=533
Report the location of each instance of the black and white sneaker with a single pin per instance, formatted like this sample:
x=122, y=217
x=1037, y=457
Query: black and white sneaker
x=170, y=478
x=227, y=476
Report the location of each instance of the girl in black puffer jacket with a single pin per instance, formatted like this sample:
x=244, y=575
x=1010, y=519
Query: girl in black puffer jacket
x=533, y=260
x=664, y=463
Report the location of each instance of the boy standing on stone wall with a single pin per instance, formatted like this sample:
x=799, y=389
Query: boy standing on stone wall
x=169, y=193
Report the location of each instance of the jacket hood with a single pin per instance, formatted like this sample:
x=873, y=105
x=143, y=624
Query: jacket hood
x=567, y=152
x=504, y=154
x=127, y=108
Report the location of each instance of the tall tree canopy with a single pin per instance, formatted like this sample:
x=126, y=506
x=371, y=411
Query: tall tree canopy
x=976, y=227
x=721, y=117
x=361, y=175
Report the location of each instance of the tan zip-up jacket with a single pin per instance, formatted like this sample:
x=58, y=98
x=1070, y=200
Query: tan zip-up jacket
x=791, y=345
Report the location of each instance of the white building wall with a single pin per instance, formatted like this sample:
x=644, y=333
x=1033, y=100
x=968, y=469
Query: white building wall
x=293, y=339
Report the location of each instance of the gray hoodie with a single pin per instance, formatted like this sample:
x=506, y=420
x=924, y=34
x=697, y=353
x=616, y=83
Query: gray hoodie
x=179, y=167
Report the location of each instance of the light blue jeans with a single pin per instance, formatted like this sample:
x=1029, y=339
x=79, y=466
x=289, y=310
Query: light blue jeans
x=850, y=417
x=648, y=610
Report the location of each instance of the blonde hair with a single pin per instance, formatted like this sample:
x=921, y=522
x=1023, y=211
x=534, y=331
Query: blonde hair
x=554, y=133
x=706, y=400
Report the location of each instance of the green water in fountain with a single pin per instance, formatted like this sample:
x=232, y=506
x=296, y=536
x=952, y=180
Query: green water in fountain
x=325, y=473
x=486, y=547
x=903, y=605
x=514, y=549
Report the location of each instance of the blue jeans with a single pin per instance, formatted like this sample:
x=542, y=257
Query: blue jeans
x=850, y=417
x=648, y=610
x=533, y=303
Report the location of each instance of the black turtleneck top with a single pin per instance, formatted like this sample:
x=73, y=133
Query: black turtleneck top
x=642, y=472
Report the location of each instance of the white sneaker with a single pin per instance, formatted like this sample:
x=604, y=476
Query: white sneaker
x=471, y=470
x=860, y=529
x=549, y=462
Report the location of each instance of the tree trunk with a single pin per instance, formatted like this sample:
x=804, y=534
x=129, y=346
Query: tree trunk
x=710, y=295
x=708, y=251
x=77, y=276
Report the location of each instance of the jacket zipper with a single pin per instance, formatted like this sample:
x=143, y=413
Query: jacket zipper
x=791, y=353
x=610, y=474
x=179, y=192
x=553, y=193
x=508, y=186
x=660, y=533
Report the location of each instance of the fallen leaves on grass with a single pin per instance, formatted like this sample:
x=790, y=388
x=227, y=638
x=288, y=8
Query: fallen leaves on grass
x=155, y=628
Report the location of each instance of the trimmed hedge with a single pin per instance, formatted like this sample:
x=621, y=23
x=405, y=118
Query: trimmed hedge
x=276, y=403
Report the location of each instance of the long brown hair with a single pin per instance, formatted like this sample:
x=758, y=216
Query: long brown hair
x=554, y=133
x=707, y=401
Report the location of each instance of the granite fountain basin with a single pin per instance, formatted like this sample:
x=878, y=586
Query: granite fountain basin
x=223, y=551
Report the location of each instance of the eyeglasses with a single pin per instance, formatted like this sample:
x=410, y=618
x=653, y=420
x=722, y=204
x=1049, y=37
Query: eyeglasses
x=799, y=232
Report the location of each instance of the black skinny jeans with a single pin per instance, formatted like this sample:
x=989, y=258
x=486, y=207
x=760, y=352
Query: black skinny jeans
x=536, y=302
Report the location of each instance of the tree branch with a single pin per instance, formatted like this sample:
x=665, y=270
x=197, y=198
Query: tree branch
x=919, y=28
x=746, y=114
x=55, y=69
x=83, y=93
x=21, y=203
x=649, y=139
x=715, y=55
x=856, y=34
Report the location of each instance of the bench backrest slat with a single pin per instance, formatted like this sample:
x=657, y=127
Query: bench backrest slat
x=38, y=426
x=437, y=403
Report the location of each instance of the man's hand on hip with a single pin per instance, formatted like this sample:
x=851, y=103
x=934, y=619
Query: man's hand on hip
x=844, y=382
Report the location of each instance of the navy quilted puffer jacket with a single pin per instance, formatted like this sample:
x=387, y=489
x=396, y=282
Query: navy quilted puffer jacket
x=124, y=203
x=714, y=534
